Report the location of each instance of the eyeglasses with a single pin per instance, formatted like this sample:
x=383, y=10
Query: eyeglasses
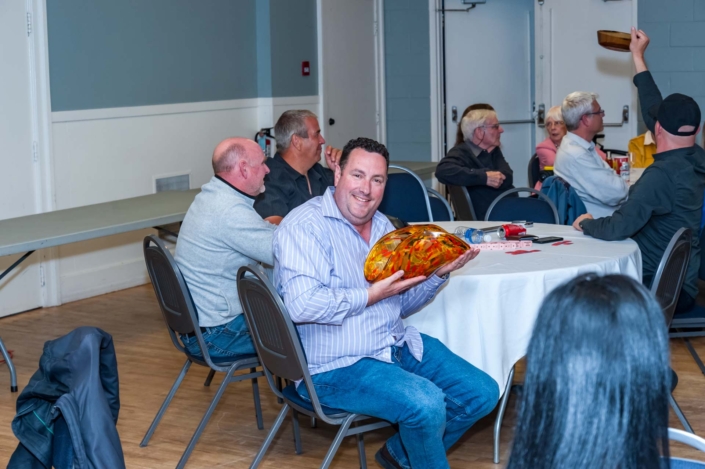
x=600, y=112
x=555, y=124
x=492, y=126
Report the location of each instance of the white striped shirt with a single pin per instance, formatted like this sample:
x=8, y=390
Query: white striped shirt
x=319, y=259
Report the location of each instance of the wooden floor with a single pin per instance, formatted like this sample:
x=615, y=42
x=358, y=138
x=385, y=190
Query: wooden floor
x=148, y=364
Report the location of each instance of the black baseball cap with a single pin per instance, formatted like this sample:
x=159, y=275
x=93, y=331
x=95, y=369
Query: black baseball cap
x=676, y=111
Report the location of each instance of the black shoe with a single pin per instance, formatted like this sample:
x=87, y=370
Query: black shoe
x=385, y=459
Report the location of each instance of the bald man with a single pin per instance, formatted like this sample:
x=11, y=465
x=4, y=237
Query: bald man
x=220, y=233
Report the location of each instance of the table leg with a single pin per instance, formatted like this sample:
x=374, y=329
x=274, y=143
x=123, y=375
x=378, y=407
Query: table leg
x=13, y=374
x=500, y=415
x=3, y=350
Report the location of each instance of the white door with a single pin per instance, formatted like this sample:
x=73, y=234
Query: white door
x=349, y=66
x=21, y=289
x=488, y=60
x=569, y=59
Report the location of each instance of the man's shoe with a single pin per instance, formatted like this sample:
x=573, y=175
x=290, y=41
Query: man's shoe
x=385, y=459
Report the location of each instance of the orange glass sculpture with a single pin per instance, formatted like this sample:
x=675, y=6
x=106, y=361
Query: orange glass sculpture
x=416, y=249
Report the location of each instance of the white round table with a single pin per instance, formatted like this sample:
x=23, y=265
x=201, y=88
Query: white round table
x=485, y=313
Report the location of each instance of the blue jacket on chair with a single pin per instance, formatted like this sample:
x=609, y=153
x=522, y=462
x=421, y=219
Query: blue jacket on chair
x=77, y=379
x=565, y=199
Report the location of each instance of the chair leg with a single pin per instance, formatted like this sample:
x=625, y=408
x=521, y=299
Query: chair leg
x=166, y=403
x=10, y=365
x=210, y=378
x=314, y=422
x=270, y=436
x=204, y=420
x=695, y=355
x=279, y=387
x=500, y=415
x=361, y=450
x=258, y=406
x=337, y=440
x=679, y=413
x=297, y=431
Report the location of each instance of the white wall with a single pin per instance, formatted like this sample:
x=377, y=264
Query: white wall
x=110, y=154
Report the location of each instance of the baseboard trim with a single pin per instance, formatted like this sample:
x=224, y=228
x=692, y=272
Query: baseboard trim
x=104, y=279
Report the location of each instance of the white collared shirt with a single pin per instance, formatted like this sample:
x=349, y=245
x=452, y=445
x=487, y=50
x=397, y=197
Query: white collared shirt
x=598, y=186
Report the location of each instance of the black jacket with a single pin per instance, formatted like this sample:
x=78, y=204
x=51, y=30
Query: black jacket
x=77, y=377
x=668, y=196
x=461, y=167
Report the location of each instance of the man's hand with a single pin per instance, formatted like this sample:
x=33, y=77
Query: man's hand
x=391, y=286
x=460, y=262
x=332, y=156
x=638, y=45
x=495, y=178
x=576, y=223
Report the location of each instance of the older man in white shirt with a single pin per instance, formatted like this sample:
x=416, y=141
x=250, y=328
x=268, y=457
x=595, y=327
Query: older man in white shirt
x=598, y=186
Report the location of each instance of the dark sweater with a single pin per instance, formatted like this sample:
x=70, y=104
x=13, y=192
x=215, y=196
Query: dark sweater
x=667, y=197
x=461, y=167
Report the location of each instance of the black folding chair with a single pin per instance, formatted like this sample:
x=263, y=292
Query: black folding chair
x=534, y=170
x=462, y=203
x=666, y=287
x=692, y=323
x=280, y=352
x=180, y=316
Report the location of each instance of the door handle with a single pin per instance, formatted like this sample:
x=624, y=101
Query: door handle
x=331, y=121
x=454, y=114
x=625, y=119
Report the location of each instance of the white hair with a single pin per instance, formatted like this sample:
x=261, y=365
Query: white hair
x=473, y=120
x=575, y=106
x=555, y=114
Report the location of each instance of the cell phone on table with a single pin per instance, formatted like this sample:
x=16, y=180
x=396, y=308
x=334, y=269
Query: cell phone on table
x=525, y=237
x=548, y=239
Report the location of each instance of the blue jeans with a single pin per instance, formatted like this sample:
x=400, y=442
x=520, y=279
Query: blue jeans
x=225, y=341
x=434, y=401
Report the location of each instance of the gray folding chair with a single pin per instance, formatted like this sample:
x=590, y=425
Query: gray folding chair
x=691, y=440
x=180, y=316
x=462, y=203
x=666, y=287
x=10, y=365
x=281, y=354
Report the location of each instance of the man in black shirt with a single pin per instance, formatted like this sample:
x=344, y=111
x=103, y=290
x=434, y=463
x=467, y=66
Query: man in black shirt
x=478, y=163
x=669, y=194
x=295, y=174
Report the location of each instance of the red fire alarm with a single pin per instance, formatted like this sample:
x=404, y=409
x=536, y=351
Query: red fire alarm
x=305, y=68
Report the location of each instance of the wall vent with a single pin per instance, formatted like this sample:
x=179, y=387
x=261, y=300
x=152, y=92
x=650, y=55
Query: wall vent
x=180, y=182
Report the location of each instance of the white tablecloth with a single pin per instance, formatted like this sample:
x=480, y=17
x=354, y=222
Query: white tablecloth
x=485, y=313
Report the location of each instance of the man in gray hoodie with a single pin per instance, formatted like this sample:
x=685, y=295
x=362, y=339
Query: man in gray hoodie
x=220, y=233
x=669, y=195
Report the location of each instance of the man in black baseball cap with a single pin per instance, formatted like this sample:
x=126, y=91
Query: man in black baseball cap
x=669, y=194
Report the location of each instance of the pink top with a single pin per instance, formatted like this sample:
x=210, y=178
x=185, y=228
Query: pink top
x=546, y=153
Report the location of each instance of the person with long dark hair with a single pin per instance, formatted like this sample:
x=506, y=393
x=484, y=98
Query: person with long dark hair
x=597, y=380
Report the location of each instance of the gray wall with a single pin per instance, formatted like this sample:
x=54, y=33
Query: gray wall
x=408, y=85
x=676, y=54
x=107, y=53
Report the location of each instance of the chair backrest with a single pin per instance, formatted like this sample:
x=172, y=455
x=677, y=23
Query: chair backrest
x=173, y=295
x=538, y=210
x=534, y=170
x=273, y=333
x=439, y=206
x=686, y=438
x=462, y=203
x=671, y=272
x=405, y=196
